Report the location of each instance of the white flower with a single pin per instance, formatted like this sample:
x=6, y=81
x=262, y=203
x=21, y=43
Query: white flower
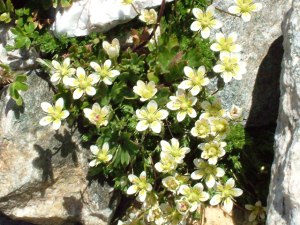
x=207, y=172
x=112, y=49
x=183, y=103
x=171, y=183
x=55, y=113
x=97, y=115
x=213, y=109
x=226, y=44
x=212, y=151
x=235, y=112
x=196, y=80
x=139, y=185
x=244, y=8
x=83, y=84
x=258, y=212
x=104, y=72
x=225, y=194
x=61, y=71
x=166, y=164
x=230, y=66
x=201, y=129
x=155, y=215
x=182, y=206
x=100, y=155
x=151, y=117
x=205, y=21
x=194, y=195
x=174, y=150
x=148, y=16
x=219, y=127
x=145, y=90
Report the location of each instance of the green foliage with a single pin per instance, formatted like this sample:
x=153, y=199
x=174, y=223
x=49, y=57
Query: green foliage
x=6, y=8
x=17, y=86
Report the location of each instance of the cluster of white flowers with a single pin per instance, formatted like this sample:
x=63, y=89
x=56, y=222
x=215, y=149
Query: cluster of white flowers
x=211, y=127
x=80, y=83
x=211, y=122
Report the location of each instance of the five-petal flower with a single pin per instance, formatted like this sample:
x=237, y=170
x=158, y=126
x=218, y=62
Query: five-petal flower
x=205, y=21
x=97, y=115
x=196, y=80
x=230, y=66
x=61, y=71
x=174, y=149
x=225, y=194
x=148, y=16
x=145, y=90
x=207, y=172
x=139, y=185
x=212, y=151
x=100, y=155
x=183, y=103
x=105, y=73
x=151, y=117
x=83, y=84
x=226, y=44
x=194, y=195
x=244, y=8
x=55, y=113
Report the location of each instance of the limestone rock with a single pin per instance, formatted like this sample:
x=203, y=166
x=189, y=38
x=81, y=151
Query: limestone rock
x=284, y=195
x=258, y=91
x=85, y=16
x=43, y=172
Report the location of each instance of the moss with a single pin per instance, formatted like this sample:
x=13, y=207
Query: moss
x=249, y=157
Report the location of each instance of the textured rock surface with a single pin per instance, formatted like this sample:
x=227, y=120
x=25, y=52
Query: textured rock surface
x=85, y=16
x=258, y=92
x=284, y=196
x=42, y=172
x=18, y=59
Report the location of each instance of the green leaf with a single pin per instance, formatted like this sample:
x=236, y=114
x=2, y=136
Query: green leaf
x=2, y=6
x=21, y=86
x=9, y=6
x=5, y=17
x=21, y=78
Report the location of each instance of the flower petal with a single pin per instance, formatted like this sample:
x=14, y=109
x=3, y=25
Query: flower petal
x=234, y=9
x=205, y=33
x=45, y=120
x=91, y=91
x=181, y=116
x=142, y=125
x=196, y=26
x=132, y=190
x=156, y=127
x=94, y=149
x=47, y=107
x=56, y=124
x=215, y=200
x=246, y=16
x=77, y=93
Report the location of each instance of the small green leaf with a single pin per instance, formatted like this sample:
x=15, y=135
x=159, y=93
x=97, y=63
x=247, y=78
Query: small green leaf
x=21, y=86
x=21, y=78
x=9, y=6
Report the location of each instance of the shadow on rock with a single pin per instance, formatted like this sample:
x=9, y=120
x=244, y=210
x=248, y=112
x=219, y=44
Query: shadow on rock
x=266, y=92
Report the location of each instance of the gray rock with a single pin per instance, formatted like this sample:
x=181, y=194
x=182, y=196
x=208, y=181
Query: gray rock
x=42, y=172
x=284, y=195
x=85, y=16
x=258, y=91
